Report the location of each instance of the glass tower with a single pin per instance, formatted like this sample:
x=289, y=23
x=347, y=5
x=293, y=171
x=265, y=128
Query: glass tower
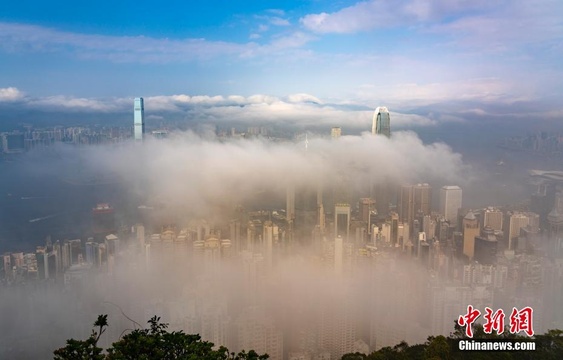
x=139, y=119
x=381, y=122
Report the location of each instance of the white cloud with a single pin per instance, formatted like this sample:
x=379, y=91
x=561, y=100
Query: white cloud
x=303, y=110
x=277, y=12
x=488, y=26
x=362, y=16
x=297, y=110
x=69, y=103
x=10, y=94
x=293, y=40
x=374, y=14
x=278, y=21
x=263, y=28
x=413, y=94
x=297, y=98
x=273, y=20
x=31, y=38
x=517, y=23
x=224, y=166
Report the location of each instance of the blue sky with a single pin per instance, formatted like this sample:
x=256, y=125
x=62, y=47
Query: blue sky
x=481, y=56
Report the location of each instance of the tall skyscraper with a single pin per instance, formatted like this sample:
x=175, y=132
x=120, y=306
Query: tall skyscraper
x=139, y=119
x=422, y=199
x=406, y=204
x=450, y=202
x=381, y=124
x=342, y=221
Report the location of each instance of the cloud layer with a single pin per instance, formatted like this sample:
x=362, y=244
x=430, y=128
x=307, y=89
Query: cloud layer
x=299, y=110
x=197, y=175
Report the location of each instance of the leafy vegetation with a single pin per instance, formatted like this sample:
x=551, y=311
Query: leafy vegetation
x=154, y=342
x=548, y=346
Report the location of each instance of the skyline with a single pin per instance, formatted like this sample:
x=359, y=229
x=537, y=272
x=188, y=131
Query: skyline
x=429, y=63
x=222, y=165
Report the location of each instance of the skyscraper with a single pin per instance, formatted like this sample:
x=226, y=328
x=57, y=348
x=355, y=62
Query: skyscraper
x=422, y=199
x=450, y=202
x=342, y=221
x=493, y=218
x=381, y=122
x=406, y=204
x=139, y=119
x=555, y=217
x=516, y=222
x=471, y=230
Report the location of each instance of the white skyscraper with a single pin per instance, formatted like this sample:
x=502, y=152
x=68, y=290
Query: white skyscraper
x=139, y=119
x=450, y=202
x=381, y=122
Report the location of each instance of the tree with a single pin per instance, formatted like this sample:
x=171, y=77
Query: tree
x=154, y=342
x=85, y=349
x=548, y=346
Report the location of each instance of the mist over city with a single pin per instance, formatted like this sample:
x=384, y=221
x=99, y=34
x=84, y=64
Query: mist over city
x=307, y=182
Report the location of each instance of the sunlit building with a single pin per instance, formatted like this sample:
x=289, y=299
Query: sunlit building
x=493, y=218
x=450, y=202
x=471, y=229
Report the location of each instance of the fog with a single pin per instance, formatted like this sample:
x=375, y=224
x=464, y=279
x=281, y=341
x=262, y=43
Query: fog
x=301, y=287
x=195, y=173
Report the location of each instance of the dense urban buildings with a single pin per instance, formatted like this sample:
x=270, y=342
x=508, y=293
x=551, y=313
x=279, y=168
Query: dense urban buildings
x=296, y=269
